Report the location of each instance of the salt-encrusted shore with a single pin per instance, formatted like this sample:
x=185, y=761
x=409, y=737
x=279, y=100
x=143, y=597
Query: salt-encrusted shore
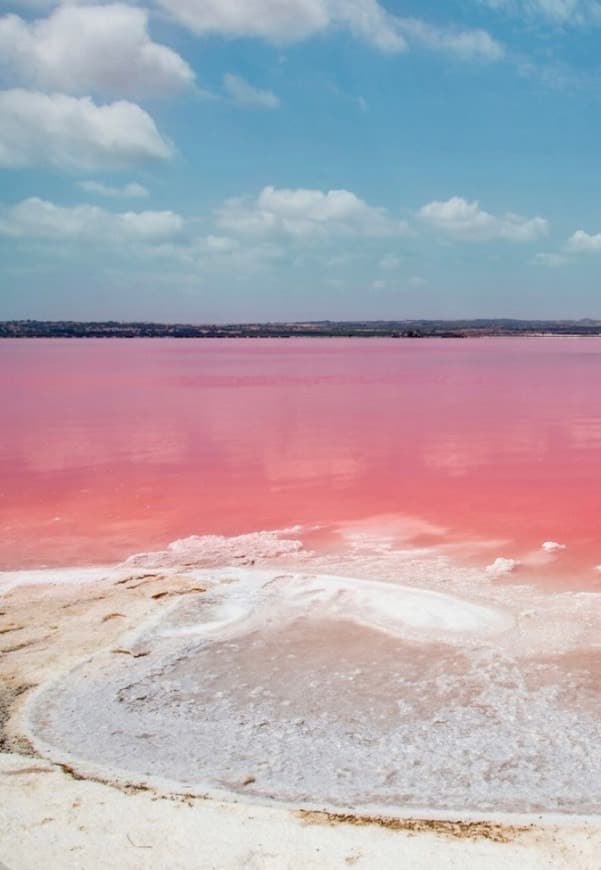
x=49, y=819
x=58, y=813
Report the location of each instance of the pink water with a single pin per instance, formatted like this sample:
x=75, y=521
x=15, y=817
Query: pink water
x=108, y=447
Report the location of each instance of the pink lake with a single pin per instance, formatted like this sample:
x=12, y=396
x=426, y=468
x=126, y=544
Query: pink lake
x=364, y=571
x=109, y=447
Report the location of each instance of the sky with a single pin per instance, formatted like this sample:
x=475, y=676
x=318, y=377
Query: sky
x=240, y=160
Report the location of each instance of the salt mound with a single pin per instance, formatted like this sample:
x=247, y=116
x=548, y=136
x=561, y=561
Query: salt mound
x=260, y=598
x=552, y=546
x=209, y=550
x=501, y=566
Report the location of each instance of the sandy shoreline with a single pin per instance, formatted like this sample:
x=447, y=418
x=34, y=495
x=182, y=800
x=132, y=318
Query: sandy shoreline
x=48, y=819
x=51, y=816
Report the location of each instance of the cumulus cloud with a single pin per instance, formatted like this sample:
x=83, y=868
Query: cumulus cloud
x=246, y=95
x=274, y=20
x=305, y=213
x=582, y=243
x=466, y=220
x=133, y=190
x=162, y=235
x=552, y=546
x=39, y=219
x=91, y=49
x=288, y=21
x=74, y=133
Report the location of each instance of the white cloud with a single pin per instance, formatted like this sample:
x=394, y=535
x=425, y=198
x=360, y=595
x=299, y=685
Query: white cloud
x=465, y=44
x=369, y=21
x=39, y=219
x=307, y=213
x=133, y=190
x=274, y=20
x=91, y=49
x=162, y=235
x=575, y=12
x=74, y=133
x=466, y=220
x=247, y=95
x=288, y=21
x=581, y=242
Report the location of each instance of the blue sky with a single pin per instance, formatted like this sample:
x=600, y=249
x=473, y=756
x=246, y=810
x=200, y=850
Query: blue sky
x=300, y=159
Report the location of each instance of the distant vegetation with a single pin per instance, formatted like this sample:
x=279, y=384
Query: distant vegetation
x=320, y=328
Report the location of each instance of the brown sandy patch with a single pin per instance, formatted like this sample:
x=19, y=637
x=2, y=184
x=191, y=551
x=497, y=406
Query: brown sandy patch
x=9, y=694
x=457, y=829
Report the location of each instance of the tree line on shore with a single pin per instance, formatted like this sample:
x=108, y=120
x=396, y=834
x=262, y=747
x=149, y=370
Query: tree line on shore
x=323, y=328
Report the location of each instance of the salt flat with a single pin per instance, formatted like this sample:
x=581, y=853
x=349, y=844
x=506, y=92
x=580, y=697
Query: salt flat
x=372, y=684
x=308, y=685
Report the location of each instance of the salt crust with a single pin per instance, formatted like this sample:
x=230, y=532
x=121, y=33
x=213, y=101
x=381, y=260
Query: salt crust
x=370, y=678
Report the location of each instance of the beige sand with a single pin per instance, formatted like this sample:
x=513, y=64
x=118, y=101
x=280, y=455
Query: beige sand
x=51, y=818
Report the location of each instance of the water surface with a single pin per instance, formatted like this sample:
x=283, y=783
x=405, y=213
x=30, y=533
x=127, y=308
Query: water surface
x=113, y=446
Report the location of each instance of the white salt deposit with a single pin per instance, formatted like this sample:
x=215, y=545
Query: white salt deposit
x=367, y=676
x=553, y=546
x=220, y=550
x=501, y=566
x=260, y=598
x=53, y=577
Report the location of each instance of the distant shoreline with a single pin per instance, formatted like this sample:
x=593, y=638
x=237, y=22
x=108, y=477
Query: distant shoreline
x=478, y=328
